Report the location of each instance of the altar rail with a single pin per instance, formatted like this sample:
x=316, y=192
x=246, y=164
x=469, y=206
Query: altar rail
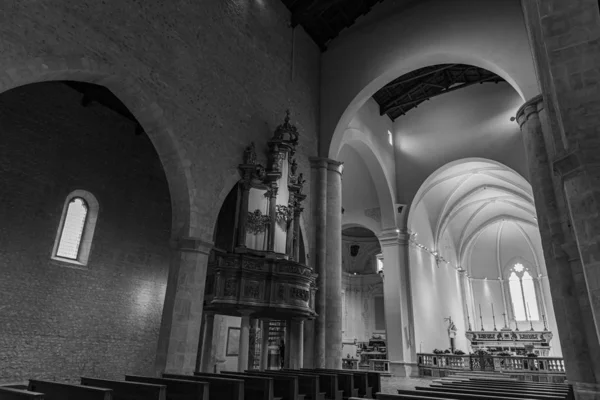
x=538, y=369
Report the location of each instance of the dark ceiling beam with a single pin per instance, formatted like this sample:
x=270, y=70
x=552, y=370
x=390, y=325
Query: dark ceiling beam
x=395, y=99
x=464, y=85
x=420, y=76
x=450, y=79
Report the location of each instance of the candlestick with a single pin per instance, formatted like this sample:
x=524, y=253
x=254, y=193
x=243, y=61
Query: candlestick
x=468, y=318
x=469, y=321
x=494, y=317
x=529, y=312
x=504, y=317
x=481, y=317
x=544, y=318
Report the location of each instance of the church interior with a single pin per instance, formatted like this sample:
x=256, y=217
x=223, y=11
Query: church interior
x=314, y=199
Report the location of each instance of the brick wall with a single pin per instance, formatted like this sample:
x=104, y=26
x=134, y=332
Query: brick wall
x=57, y=321
x=219, y=71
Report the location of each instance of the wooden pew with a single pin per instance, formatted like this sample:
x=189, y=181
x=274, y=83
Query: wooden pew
x=284, y=387
x=308, y=384
x=328, y=383
x=128, y=390
x=361, y=381
x=515, y=382
x=61, y=391
x=7, y=393
x=255, y=387
x=220, y=387
x=177, y=389
x=533, y=390
x=411, y=395
x=559, y=391
x=374, y=380
x=345, y=381
x=515, y=394
x=458, y=396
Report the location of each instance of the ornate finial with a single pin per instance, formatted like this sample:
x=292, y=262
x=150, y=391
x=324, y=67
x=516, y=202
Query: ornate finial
x=287, y=128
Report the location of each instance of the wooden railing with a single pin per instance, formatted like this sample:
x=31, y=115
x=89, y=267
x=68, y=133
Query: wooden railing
x=551, y=365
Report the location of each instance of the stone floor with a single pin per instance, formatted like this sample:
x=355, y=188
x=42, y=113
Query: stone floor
x=389, y=384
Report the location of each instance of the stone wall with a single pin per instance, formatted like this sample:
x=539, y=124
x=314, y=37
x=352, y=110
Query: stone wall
x=60, y=320
x=204, y=80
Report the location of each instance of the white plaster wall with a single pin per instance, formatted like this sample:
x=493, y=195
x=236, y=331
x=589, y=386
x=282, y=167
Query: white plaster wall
x=359, y=306
x=221, y=328
x=435, y=290
x=367, y=135
x=374, y=129
x=358, y=190
x=485, y=33
x=472, y=122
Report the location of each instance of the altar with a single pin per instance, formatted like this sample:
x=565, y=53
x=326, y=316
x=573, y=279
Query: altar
x=511, y=341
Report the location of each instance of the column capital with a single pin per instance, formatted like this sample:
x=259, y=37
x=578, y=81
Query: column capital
x=210, y=313
x=192, y=244
x=394, y=237
x=531, y=106
x=330, y=164
x=246, y=313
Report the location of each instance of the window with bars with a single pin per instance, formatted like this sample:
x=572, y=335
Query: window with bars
x=76, y=228
x=522, y=294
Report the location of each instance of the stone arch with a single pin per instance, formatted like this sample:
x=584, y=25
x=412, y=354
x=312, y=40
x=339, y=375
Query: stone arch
x=142, y=105
x=383, y=183
x=488, y=34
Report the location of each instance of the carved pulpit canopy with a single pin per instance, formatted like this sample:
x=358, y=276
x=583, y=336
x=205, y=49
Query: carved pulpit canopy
x=271, y=204
x=258, y=236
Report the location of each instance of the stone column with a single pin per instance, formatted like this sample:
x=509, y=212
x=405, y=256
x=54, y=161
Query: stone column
x=577, y=353
x=244, y=341
x=182, y=310
x=264, y=345
x=207, y=343
x=319, y=253
x=288, y=346
x=309, y=344
x=333, y=318
x=252, y=343
x=398, y=304
x=296, y=344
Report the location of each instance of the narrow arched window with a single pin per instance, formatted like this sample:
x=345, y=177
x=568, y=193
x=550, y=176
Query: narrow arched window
x=72, y=230
x=76, y=228
x=522, y=294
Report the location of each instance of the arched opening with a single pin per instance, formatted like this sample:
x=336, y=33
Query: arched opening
x=473, y=222
x=363, y=319
x=491, y=35
x=69, y=147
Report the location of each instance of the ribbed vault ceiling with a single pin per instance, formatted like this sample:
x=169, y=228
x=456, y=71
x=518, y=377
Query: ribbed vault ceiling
x=466, y=198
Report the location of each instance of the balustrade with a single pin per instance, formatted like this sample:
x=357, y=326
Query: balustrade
x=492, y=363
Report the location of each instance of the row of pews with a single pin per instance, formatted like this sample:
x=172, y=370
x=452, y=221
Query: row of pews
x=484, y=388
x=304, y=384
